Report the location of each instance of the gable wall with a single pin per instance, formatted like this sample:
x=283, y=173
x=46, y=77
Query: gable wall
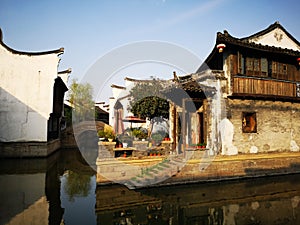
x=276, y=38
x=26, y=95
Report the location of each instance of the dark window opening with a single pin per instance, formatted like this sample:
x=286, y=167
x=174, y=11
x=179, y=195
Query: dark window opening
x=249, y=124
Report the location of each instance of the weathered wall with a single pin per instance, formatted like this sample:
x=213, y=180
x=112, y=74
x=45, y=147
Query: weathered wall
x=278, y=127
x=26, y=95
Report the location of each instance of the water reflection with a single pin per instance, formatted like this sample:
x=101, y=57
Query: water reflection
x=62, y=190
x=47, y=191
x=78, y=201
x=76, y=185
x=251, y=202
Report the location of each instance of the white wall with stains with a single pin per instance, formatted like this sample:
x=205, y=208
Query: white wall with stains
x=26, y=94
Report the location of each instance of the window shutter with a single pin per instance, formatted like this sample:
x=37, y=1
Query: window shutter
x=264, y=66
x=242, y=65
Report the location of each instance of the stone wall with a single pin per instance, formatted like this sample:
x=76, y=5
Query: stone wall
x=28, y=149
x=278, y=127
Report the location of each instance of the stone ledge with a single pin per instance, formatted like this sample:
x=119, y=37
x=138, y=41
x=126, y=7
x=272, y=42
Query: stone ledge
x=28, y=149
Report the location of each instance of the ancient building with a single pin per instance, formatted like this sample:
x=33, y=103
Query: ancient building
x=31, y=97
x=254, y=105
x=245, y=98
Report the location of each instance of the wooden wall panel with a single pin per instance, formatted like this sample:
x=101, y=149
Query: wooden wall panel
x=253, y=86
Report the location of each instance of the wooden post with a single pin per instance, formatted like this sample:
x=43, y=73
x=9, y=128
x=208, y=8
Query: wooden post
x=174, y=128
x=183, y=126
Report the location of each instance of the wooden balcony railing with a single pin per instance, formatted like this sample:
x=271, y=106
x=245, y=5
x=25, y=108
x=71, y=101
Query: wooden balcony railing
x=263, y=87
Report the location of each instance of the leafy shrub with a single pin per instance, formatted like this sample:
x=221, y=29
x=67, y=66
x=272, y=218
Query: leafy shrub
x=139, y=133
x=107, y=134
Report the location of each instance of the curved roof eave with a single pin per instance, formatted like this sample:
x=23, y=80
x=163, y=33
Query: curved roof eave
x=56, y=51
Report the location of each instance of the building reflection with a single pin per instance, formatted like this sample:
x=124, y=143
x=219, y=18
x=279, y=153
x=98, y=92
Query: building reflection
x=31, y=188
x=260, y=201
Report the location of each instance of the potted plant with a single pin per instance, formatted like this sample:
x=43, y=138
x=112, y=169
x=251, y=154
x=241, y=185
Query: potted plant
x=106, y=134
x=193, y=145
x=139, y=134
x=167, y=138
x=101, y=135
x=156, y=138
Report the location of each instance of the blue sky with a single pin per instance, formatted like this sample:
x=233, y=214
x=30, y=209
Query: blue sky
x=90, y=29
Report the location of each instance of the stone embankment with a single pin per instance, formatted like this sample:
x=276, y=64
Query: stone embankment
x=197, y=167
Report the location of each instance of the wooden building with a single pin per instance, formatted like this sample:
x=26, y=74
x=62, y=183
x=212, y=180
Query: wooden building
x=248, y=101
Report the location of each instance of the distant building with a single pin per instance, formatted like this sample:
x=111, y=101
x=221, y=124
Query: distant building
x=101, y=113
x=31, y=101
x=119, y=104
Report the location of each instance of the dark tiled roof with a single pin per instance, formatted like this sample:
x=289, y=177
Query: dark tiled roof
x=245, y=42
x=138, y=80
x=117, y=86
x=65, y=71
x=189, y=83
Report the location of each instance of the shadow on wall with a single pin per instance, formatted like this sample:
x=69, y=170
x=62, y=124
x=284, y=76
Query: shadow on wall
x=19, y=122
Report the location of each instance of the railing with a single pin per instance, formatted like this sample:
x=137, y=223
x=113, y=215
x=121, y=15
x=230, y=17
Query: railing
x=263, y=87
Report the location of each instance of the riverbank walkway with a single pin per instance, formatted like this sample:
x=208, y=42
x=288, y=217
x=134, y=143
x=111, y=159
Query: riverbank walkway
x=199, y=167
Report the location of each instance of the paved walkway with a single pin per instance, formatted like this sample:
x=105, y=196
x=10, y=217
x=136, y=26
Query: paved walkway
x=248, y=156
x=257, y=156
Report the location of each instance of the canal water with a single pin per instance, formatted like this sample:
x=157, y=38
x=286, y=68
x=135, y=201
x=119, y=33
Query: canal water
x=61, y=189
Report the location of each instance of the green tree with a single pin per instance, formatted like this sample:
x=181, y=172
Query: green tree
x=81, y=98
x=148, y=101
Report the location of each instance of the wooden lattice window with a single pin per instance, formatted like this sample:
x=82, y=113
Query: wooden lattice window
x=249, y=66
x=279, y=70
x=249, y=124
x=257, y=66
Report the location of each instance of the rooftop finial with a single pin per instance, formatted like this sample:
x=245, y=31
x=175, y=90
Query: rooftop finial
x=175, y=78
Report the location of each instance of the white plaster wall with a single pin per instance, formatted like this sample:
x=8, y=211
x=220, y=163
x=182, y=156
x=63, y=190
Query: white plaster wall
x=26, y=95
x=276, y=38
x=118, y=94
x=112, y=102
